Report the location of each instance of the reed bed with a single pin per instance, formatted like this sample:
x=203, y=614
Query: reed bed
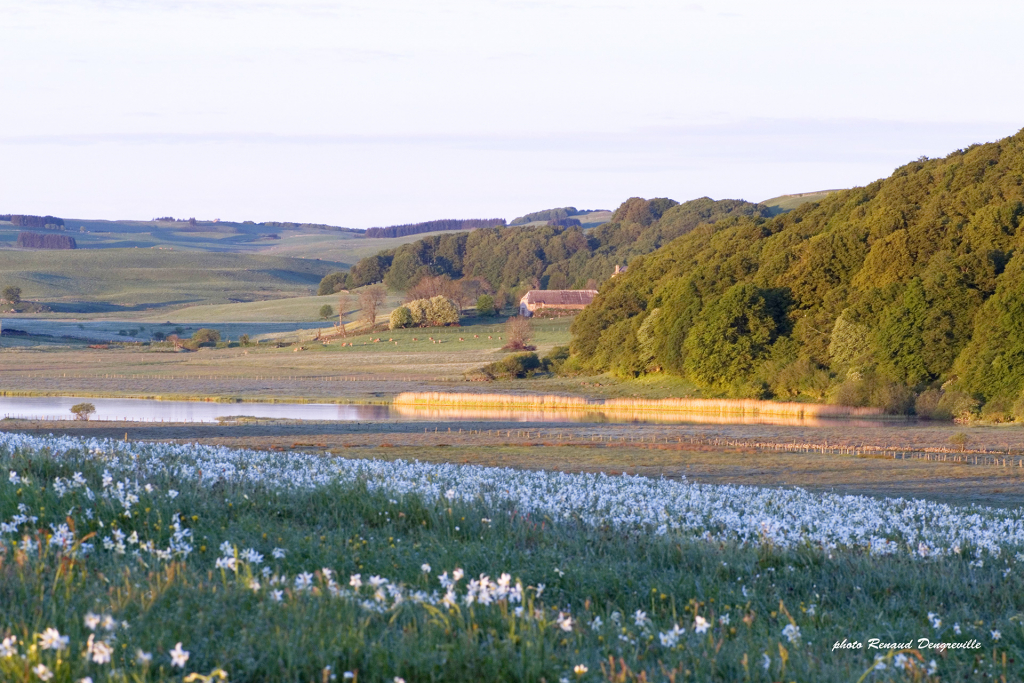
x=502, y=401
x=695, y=406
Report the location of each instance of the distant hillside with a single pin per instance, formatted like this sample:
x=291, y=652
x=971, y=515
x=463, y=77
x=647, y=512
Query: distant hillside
x=906, y=294
x=33, y=221
x=788, y=202
x=434, y=226
x=514, y=258
x=126, y=280
x=566, y=216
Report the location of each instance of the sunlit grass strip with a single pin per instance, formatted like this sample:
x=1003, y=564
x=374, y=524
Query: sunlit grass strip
x=700, y=406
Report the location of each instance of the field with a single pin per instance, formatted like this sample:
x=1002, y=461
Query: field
x=327, y=247
x=308, y=567
x=225, y=237
x=133, y=269
x=589, y=220
x=788, y=202
x=422, y=359
x=134, y=281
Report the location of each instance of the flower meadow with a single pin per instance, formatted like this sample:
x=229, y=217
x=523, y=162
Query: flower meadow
x=153, y=561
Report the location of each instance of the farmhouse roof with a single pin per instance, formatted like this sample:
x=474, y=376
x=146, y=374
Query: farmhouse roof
x=560, y=297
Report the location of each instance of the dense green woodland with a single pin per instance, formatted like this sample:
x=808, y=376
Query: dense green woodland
x=516, y=258
x=906, y=294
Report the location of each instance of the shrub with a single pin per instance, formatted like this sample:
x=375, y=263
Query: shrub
x=326, y=311
x=519, y=332
x=876, y=391
x=927, y=405
x=515, y=366
x=243, y=340
x=400, y=317
x=555, y=359
x=485, y=305
x=332, y=282
x=437, y=311
x=82, y=411
x=12, y=295
x=205, y=335
x=442, y=311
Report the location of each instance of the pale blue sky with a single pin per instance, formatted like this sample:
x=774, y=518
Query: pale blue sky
x=375, y=113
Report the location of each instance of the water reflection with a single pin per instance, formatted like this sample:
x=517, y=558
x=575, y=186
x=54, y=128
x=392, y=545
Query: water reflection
x=606, y=414
x=149, y=410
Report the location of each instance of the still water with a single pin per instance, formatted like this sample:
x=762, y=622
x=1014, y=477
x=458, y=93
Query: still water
x=149, y=410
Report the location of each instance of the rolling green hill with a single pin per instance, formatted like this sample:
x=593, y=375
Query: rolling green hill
x=126, y=280
x=293, y=309
x=907, y=293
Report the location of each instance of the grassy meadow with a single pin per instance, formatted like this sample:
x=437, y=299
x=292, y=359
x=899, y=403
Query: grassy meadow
x=130, y=281
x=312, y=567
x=788, y=202
x=301, y=368
x=145, y=269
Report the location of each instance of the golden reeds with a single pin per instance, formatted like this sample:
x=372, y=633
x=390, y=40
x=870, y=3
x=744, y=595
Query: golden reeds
x=695, y=406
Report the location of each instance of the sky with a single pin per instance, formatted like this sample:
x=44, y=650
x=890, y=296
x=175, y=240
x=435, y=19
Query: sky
x=384, y=112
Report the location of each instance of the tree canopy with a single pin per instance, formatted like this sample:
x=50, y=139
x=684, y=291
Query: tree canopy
x=914, y=281
x=522, y=257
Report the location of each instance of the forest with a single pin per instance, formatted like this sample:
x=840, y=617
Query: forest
x=514, y=259
x=33, y=240
x=434, y=226
x=907, y=294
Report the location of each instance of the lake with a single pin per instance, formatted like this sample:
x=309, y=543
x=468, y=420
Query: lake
x=150, y=410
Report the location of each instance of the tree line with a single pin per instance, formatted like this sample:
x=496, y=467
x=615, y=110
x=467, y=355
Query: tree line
x=26, y=221
x=906, y=294
x=548, y=215
x=34, y=240
x=434, y=226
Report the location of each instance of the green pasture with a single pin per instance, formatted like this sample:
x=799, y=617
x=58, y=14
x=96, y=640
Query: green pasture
x=255, y=628
x=129, y=281
x=788, y=202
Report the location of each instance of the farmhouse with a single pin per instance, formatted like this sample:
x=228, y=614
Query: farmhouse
x=558, y=299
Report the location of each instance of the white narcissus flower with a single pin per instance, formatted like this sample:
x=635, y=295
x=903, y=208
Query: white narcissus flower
x=42, y=671
x=564, y=621
x=98, y=650
x=51, y=639
x=179, y=656
x=700, y=624
x=9, y=647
